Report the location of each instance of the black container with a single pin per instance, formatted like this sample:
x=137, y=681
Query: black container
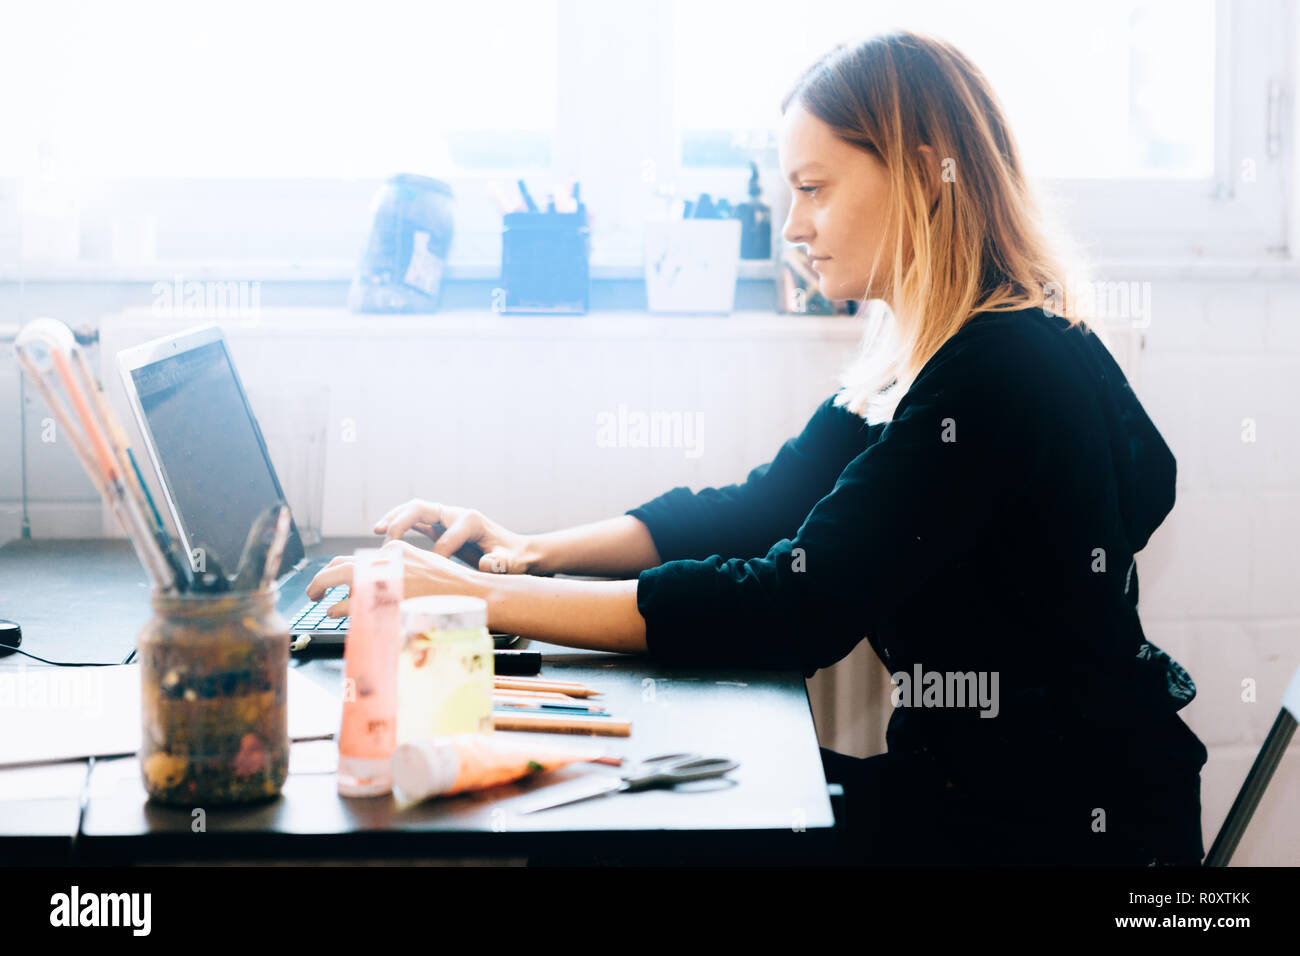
x=546, y=262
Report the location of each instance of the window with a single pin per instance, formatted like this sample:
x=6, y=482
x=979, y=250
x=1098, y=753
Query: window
x=152, y=90
x=1099, y=90
x=1153, y=127
x=247, y=137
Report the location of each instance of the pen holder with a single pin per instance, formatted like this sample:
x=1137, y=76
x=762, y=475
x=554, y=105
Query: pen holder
x=214, y=670
x=691, y=265
x=546, y=262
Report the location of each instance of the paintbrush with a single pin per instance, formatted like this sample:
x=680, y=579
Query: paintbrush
x=252, y=560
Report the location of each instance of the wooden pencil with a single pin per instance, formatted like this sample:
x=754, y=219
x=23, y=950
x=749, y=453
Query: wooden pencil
x=549, y=695
x=567, y=724
x=523, y=683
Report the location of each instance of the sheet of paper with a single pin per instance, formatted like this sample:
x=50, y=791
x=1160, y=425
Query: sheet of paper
x=55, y=713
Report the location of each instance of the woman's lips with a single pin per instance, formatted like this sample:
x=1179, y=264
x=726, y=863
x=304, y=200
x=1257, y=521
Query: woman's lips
x=817, y=260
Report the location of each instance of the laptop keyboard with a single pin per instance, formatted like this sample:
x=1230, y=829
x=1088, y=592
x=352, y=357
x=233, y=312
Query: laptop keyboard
x=313, y=616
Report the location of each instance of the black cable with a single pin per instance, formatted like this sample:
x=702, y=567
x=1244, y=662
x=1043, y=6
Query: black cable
x=18, y=650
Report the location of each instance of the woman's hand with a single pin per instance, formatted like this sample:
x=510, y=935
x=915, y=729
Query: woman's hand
x=451, y=528
x=423, y=573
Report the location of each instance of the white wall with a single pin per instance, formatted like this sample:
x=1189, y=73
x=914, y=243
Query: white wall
x=1220, y=579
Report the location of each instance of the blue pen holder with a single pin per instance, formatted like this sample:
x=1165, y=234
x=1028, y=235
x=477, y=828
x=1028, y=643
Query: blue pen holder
x=546, y=262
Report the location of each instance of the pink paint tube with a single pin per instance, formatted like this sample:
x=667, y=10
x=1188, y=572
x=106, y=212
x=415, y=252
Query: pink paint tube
x=369, y=732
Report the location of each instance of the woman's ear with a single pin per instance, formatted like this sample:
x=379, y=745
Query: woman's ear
x=931, y=175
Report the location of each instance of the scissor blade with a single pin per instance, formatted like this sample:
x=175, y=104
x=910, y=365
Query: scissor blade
x=581, y=790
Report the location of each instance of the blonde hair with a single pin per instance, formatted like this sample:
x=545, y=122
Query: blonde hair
x=983, y=248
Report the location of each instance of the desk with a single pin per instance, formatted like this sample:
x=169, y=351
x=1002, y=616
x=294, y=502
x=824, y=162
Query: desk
x=86, y=599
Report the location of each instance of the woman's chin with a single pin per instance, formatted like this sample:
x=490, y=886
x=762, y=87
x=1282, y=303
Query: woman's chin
x=830, y=290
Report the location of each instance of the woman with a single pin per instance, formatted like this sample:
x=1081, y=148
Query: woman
x=969, y=502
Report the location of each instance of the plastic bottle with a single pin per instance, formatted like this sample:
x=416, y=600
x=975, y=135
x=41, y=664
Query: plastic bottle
x=445, y=667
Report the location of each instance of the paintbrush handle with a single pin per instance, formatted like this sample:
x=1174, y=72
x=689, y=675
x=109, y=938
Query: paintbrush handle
x=132, y=521
x=64, y=418
x=276, y=551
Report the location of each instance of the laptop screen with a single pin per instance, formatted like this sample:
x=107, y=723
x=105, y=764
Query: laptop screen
x=213, y=461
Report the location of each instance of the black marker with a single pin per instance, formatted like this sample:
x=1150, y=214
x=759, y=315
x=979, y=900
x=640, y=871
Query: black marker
x=528, y=199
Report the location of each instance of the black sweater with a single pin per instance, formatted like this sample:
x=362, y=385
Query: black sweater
x=989, y=527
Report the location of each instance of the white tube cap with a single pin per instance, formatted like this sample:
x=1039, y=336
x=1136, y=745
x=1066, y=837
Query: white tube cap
x=425, y=768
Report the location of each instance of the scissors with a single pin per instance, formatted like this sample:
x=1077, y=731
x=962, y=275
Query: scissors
x=666, y=770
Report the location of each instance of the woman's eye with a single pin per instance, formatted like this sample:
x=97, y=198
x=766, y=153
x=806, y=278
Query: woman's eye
x=809, y=189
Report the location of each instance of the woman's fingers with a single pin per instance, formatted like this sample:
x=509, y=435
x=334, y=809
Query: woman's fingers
x=494, y=562
x=385, y=525
x=401, y=519
x=382, y=524
x=340, y=609
x=407, y=517
x=329, y=577
x=468, y=526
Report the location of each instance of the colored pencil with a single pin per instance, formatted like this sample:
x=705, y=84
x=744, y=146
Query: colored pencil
x=564, y=724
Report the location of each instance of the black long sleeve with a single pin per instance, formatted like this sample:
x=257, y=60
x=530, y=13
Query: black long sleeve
x=745, y=519
x=912, y=501
x=989, y=528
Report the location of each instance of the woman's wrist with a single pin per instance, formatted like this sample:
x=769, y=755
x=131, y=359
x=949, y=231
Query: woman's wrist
x=479, y=584
x=617, y=547
x=600, y=615
x=535, y=556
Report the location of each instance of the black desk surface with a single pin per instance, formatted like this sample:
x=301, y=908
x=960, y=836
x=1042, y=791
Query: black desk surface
x=85, y=600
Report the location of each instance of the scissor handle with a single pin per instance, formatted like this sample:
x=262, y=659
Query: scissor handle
x=653, y=765
x=666, y=771
x=663, y=759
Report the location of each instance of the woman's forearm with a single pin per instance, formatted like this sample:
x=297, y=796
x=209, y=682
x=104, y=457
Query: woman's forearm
x=598, y=615
x=617, y=547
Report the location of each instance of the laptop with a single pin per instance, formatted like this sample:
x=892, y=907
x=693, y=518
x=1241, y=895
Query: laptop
x=216, y=476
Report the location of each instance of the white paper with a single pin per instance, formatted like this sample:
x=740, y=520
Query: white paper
x=53, y=713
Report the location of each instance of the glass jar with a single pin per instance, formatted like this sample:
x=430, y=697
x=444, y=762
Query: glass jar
x=444, y=668
x=214, y=670
x=410, y=235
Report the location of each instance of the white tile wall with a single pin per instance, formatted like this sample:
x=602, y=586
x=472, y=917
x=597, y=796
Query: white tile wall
x=1220, y=579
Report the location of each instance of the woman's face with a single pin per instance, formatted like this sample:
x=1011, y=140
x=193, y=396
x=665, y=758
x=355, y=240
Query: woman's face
x=839, y=204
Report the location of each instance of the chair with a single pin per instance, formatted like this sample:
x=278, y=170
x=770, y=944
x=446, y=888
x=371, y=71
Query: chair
x=1270, y=755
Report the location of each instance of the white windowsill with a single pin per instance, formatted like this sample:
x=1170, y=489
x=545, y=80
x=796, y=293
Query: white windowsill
x=1216, y=269
x=483, y=323
x=291, y=271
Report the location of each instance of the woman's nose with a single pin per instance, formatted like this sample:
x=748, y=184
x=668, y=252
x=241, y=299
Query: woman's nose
x=796, y=229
